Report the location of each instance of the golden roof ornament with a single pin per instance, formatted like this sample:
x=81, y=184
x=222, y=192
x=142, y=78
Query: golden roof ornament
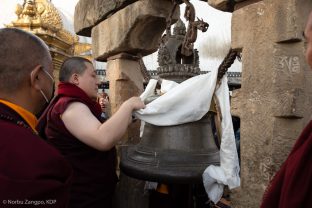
x=43, y=19
x=37, y=15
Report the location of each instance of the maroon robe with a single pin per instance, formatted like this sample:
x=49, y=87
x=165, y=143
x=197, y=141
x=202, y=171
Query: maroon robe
x=292, y=185
x=94, y=177
x=31, y=171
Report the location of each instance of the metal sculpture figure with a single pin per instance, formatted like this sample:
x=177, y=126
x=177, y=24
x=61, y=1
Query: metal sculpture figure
x=193, y=26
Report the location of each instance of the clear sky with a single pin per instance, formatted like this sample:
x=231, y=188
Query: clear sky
x=212, y=45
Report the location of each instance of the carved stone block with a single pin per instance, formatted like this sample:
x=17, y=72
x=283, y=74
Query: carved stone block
x=285, y=133
x=275, y=99
x=88, y=13
x=135, y=29
x=288, y=21
x=242, y=26
x=288, y=91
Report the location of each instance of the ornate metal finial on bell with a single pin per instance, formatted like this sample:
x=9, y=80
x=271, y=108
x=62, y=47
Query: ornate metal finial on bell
x=180, y=153
x=173, y=65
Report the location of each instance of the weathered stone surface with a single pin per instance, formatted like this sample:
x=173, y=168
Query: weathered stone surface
x=245, y=31
x=219, y=4
x=289, y=93
x=135, y=29
x=254, y=104
x=285, y=132
x=273, y=103
x=289, y=22
x=125, y=81
x=224, y=5
x=89, y=13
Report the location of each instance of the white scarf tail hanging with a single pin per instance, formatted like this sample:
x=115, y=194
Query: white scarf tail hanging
x=215, y=177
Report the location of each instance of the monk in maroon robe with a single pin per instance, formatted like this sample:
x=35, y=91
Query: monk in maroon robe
x=32, y=172
x=292, y=184
x=72, y=123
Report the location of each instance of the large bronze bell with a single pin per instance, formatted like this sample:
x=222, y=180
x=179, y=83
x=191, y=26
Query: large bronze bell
x=173, y=154
x=181, y=153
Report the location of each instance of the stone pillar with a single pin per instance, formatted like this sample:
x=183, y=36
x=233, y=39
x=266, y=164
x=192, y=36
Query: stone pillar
x=274, y=103
x=125, y=80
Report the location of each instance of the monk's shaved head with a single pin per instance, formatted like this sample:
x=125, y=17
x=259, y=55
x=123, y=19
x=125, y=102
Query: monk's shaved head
x=20, y=52
x=72, y=65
